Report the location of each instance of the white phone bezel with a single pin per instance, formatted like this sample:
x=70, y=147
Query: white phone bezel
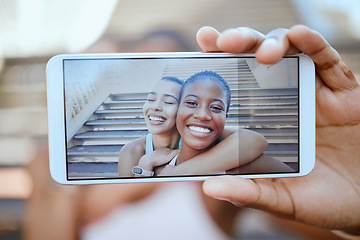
x=56, y=117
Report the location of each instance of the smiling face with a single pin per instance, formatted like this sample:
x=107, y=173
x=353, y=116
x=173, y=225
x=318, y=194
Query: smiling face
x=161, y=107
x=202, y=113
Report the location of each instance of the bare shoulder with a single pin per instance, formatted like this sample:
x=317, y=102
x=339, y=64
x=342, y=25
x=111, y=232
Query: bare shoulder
x=135, y=147
x=130, y=155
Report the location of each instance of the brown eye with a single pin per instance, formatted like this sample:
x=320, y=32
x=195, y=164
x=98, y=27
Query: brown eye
x=216, y=108
x=191, y=103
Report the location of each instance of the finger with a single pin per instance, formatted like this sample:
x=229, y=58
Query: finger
x=240, y=40
x=206, y=38
x=259, y=194
x=275, y=46
x=329, y=65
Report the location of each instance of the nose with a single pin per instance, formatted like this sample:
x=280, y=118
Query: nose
x=202, y=114
x=156, y=106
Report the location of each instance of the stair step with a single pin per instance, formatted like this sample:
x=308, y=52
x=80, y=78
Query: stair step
x=139, y=121
x=108, y=104
x=286, y=152
x=117, y=124
x=107, y=137
x=235, y=103
x=259, y=110
x=119, y=113
x=272, y=100
x=112, y=150
x=283, y=147
x=255, y=110
x=282, y=139
x=235, y=100
x=110, y=153
x=129, y=97
x=279, y=135
x=79, y=170
x=283, y=130
x=268, y=92
x=98, y=138
x=225, y=64
x=126, y=124
x=261, y=121
x=94, y=154
x=191, y=67
x=286, y=159
x=249, y=93
x=232, y=76
x=110, y=134
x=237, y=82
x=243, y=86
x=91, y=141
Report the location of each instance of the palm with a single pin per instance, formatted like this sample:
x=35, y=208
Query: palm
x=336, y=143
x=329, y=195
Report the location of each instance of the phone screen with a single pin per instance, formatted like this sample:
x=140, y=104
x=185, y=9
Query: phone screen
x=116, y=102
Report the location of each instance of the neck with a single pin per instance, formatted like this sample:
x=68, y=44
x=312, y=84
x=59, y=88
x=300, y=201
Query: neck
x=166, y=140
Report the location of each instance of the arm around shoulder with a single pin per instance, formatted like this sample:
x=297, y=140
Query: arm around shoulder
x=251, y=145
x=218, y=159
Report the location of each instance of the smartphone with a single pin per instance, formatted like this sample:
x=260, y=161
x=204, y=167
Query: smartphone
x=96, y=107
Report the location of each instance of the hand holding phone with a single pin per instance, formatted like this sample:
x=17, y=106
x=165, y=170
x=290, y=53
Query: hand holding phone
x=333, y=184
x=107, y=110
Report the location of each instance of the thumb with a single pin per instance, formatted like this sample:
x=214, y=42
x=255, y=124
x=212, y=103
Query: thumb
x=267, y=195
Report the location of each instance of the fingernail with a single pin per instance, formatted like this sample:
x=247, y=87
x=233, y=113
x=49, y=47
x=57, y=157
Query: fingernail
x=238, y=204
x=269, y=42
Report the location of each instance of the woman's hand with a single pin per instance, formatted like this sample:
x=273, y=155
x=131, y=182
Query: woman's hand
x=329, y=196
x=157, y=158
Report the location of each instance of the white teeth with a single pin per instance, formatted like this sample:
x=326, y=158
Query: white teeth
x=199, y=129
x=153, y=118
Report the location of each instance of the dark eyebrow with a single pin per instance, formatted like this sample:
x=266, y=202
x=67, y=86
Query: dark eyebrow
x=191, y=95
x=169, y=95
x=213, y=99
x=166, y=95
x=218, y=100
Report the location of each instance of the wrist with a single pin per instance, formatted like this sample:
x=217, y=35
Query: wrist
x=146, y=163
x=139, y=171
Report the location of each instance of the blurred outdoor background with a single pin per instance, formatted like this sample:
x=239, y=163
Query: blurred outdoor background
x=32, y=31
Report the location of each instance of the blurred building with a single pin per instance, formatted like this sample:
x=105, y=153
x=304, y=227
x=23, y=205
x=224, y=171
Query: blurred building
x=33, y=31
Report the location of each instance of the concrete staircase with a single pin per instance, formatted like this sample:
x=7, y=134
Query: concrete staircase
x=271, y=112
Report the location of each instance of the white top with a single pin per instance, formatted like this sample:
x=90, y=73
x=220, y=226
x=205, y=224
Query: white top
x=175, y=211
x=173, y=160
x=149, y=146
